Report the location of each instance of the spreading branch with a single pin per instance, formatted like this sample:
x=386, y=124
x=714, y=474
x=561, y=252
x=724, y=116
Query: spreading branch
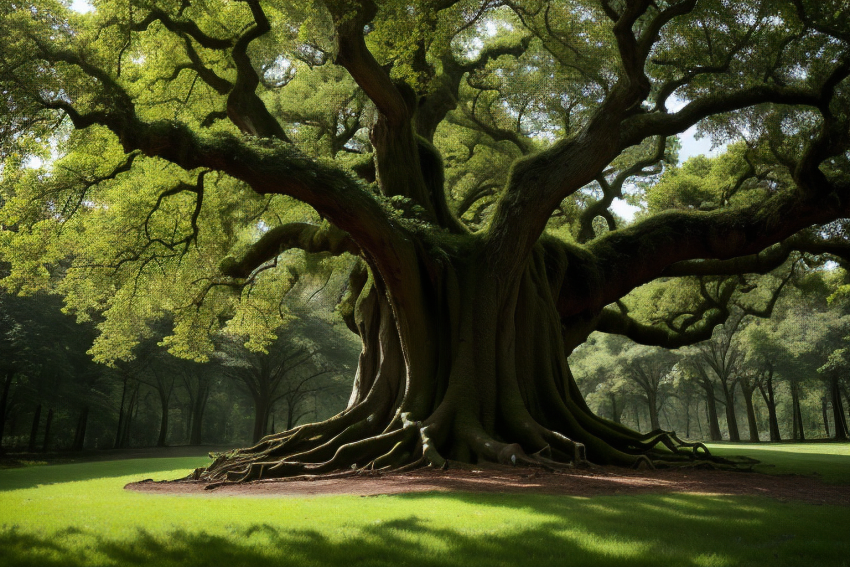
x=308, y=237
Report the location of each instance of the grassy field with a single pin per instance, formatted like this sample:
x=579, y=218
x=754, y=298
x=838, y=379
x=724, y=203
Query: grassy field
x=80, y=515
x=828, y=461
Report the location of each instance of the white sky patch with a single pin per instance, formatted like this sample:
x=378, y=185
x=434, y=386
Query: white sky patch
x=82, y=6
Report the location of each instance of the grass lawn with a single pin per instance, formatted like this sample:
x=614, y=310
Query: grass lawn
x=828, y=461
x=80, y=515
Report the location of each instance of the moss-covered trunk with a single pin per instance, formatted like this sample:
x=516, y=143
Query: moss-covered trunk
x=458, y=364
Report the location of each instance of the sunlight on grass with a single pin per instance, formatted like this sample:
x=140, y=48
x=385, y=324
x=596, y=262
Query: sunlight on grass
x=829, y=461
x=91, y=520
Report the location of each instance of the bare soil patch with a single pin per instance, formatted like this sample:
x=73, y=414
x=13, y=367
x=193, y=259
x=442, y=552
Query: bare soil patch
x=515, y=480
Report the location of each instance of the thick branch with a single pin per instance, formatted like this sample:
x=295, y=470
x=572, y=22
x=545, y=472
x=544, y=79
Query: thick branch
x=308, y=237
x=633, y=256
x=356, y=58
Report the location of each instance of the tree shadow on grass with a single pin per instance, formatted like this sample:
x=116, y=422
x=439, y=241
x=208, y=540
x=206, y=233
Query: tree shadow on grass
x=33, y=476
x=676, y=530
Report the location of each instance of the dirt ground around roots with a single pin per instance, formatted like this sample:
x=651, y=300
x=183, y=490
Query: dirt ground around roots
x=597, y=482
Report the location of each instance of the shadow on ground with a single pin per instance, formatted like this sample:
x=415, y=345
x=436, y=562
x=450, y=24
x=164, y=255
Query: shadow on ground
x=680, y=530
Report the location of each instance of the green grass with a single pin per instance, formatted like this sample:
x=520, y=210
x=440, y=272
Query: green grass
x=829, y=461
x=80, y=515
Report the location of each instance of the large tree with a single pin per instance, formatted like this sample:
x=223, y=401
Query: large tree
x=466, y=151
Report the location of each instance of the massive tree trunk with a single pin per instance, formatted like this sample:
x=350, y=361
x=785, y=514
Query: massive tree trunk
x=461, y=366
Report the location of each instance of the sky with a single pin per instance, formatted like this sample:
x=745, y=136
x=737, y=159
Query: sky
x=81, y=6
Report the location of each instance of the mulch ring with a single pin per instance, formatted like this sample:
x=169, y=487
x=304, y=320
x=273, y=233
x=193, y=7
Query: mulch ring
x=516, y=480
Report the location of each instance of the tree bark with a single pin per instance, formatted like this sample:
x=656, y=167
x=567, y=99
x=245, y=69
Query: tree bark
x=34, y=431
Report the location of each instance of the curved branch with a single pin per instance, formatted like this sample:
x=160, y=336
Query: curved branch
x=189, y=28
x=308, y=237
x=614, y=189
x=635, y=255
x=355, y=57
x=244, y=107
x=764, y=261
x=613, y=321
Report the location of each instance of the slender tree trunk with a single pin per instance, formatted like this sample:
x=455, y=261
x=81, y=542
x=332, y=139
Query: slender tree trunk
x=711, y=407
x=652, y=405
x=4, y=400
x=34, y=431
x=262, y=411
x=770, y=401
x=47, y=430
x=200, y=404
x=825, y=415
x=80, y=434
x=796, y=414
x=616, y=412
x=131, y=412
x=163, y=423
x=120, y=430
x=731, y=418
x=840, y=422
x=751, y=413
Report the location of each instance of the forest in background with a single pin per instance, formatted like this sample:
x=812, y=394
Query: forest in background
x=777, y=378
